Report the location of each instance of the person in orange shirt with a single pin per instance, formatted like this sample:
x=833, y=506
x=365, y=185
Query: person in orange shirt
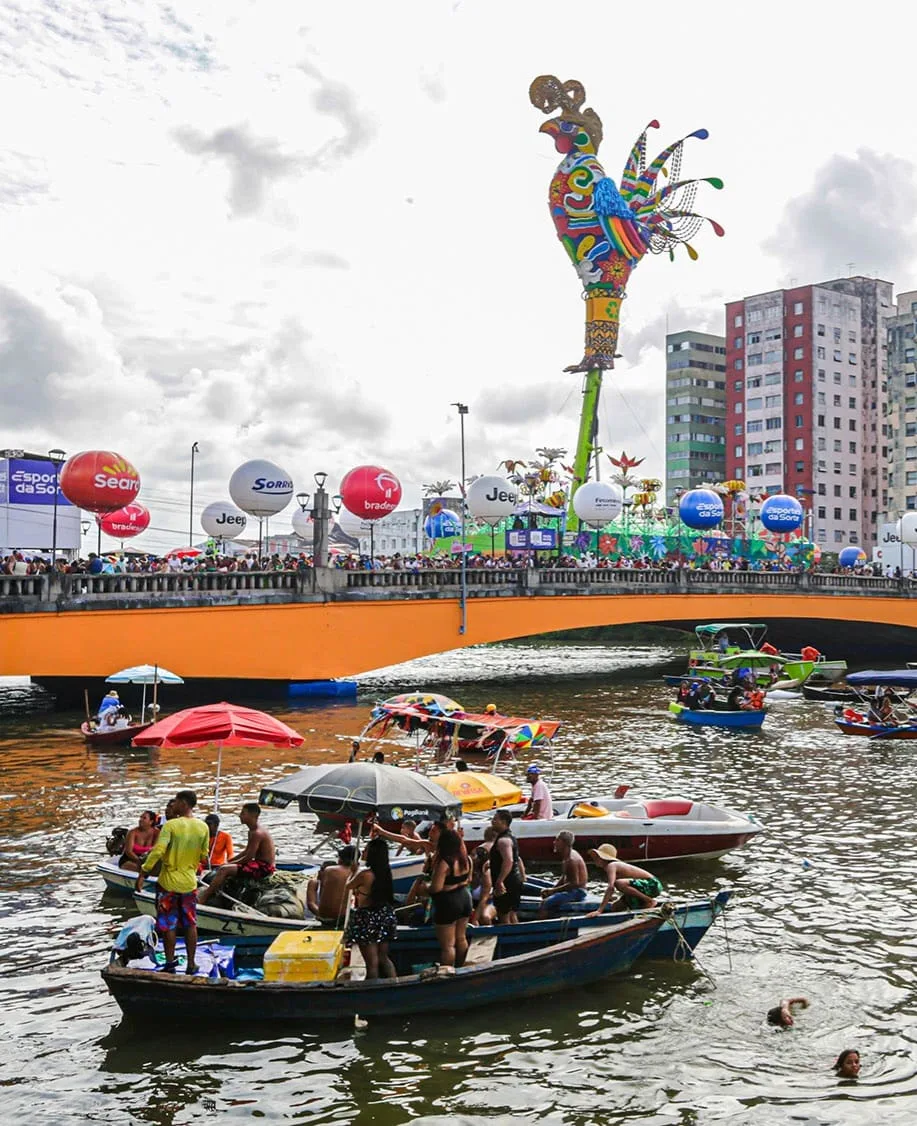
x=221, y=850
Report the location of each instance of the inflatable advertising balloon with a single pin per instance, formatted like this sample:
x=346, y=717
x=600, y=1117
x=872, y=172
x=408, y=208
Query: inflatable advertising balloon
x=352, y=525
x=782, y=513
x=700, y=509
x=907, y=529
x=370, y=492
x=441, y=522
x=597, y=503
x=491, y=499
x=99, y=481
x=223, y=521
x=851, y=556
x=125, y=522
x=302, y=524
x=261, y=488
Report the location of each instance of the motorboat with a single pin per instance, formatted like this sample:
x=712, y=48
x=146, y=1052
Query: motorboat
x=671, y=828
x=829, y=694
x=718, y=714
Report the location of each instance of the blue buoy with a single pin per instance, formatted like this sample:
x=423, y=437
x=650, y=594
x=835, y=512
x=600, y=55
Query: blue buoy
x=323, y=689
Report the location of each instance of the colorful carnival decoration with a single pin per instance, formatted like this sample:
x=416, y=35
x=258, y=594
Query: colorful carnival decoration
x=851, y=556
x=99, y=481
x=597, y=503
x=223, y=521
x=441, y=522
x=607, y=228
x=491, y=499
x=126, y=522
x=370, y=492
x=781, y=513
x=700, y=509
x=261, y=488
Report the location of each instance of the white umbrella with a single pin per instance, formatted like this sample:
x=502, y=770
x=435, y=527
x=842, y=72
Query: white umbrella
x=144, y=674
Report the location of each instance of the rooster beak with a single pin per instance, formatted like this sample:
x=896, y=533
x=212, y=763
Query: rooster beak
x=549, y=127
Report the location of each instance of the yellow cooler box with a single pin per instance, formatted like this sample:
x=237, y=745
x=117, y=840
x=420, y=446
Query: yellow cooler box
x=304, y=956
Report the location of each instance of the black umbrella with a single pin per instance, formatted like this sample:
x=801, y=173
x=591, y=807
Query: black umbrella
x=358, y=789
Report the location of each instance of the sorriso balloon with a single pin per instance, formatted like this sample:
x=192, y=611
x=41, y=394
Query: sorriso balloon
x=223, y=520
x=491, y=499
x=99, y=481
x=850, y=556
x=701, y=508
x=782, y=513
x=125, y=522
x=597, y=503
x=261, y=488
x=370, y=492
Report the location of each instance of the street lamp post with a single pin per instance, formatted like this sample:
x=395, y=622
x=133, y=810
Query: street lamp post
x=194, y=450
x=321, y=514
x=57, y=456
x=462, y=411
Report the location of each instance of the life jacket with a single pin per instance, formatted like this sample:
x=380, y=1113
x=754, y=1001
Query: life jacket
x=810, y=653
x=756, y=699
x=769, y=649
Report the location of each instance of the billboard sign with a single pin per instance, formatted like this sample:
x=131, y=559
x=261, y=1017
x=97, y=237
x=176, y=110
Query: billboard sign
x=531, y=539
x=32, y=482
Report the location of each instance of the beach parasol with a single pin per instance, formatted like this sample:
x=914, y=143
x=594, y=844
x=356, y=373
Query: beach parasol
x=228, y=725
x=144, y=674
x=183, y=553
x=357, y=790
x=479, y=791
x=527, y=735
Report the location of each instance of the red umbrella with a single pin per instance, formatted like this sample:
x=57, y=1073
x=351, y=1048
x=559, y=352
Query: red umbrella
x=225, y=724
x=183, y=553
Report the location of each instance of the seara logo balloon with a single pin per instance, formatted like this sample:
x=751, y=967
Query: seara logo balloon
x=223, y=521
x=370, y=492
x=491, y=499
x=261, y=488
x=99, y=481
x=597, y=503
x=126, y=522
x=701, y=508
x=782, y=513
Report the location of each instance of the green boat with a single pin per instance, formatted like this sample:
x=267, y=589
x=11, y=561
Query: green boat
x=726, y=646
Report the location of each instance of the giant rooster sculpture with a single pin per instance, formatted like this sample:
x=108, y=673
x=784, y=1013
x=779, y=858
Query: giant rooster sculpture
x=606, y=229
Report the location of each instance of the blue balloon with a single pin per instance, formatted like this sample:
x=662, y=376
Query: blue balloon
x=850, y=556
x=782, y=513
x=701, y=508
x=442, y=524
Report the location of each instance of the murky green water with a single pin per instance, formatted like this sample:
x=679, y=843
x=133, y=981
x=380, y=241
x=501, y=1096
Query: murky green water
x=662, y=1046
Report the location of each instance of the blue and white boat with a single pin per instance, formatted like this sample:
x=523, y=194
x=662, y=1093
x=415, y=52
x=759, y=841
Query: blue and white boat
x=718, y=716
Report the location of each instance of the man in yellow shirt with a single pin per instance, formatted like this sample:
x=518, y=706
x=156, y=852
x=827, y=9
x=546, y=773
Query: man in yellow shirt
x=183, y=844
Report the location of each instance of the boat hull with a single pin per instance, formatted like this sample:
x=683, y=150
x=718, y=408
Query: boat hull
x=737, y=721
x=876, y=730
x=119, y=738
x=168, y=998
x=828, y=694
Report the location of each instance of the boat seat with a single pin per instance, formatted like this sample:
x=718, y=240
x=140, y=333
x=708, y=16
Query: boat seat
x=588, y=809
x=668, y=807
x=481, y=951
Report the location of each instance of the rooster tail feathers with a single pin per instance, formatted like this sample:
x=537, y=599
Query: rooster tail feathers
x=636, y=162
x=673, y=152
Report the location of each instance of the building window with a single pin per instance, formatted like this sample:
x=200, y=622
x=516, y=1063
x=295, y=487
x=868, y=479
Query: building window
x=753, y=382
x=797, y=308
x=799, y=420
x=754, y=404
x=737, y=322
x=755, y=471
x=755, y=448
x=737, y=429
x=820, y=353
x=837, y=355
x=852, y=471
x=837, y=423
x=754, y=338
x=853, y=447
x=837, y=490
x=837, y=467
x=738, y=364
x=798, y=353
x=837, y=336
x=837, y=450
x=851, y=357
x=836, y=378
x=800, y=443
x=797, y=330
x=821, y=512
x=910, y=478
x=800, y=466
x=838, y=536
x=772, y=467
x=820, y=330
x=773, y=378
x=772, y=401
x=774, y=424
x=737, y=408
x=853, y=513
x=852, y=403
x=837, y=514
x=836, y=401
x=754, y=359
x=754, y=427
x=821, y=487
x=799, y=398
x=852, y=424
x=737, y=451
x=738, y=385
x=820, y=420
x=737, y=342
x=910, y=453
x=821, y=399
x=821, y=375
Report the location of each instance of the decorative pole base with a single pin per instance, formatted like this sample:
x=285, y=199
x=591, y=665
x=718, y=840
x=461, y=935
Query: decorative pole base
x=603, y=309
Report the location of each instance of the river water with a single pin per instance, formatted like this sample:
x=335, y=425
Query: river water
x=823, y=907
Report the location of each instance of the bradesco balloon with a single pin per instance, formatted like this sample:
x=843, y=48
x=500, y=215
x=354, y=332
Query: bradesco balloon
x=907, y=529
x=850, y=556
x=126, y=522
x=782, y=513
x=370, y=492
x=261, y=488
x=223, y=520
x=701, y=508
x=491, y=499
x=99, y=481
x=597, y=503
x=302, y=524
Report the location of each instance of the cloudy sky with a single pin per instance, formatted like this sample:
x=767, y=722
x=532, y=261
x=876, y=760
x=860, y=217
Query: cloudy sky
x=301, y=231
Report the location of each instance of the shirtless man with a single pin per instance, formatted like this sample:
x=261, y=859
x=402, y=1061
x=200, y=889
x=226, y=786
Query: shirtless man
x=256, y=859
x=571, y=887
x=326, y=897
x=637, y=887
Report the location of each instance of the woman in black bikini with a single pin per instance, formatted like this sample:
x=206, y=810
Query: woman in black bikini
x=372, y=923
x=451, y=898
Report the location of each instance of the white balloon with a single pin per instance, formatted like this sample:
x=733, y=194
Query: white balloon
x=907, y=529
x=302, y=524
x=261, y=488
x=223, y=520
x=597, y=503
x=352, y=525
x=491, y=499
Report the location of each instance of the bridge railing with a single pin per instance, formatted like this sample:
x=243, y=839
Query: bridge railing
x=75, y=586
x=603, y=576
x=431, y=580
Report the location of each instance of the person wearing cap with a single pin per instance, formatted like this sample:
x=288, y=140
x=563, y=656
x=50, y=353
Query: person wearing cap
x=637, y=887
x=540, y=806
x=109, y=700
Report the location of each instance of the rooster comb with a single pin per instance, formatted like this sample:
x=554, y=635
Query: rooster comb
x=548, y=94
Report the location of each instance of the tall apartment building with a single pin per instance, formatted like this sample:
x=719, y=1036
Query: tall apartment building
x=902, y=407
x=806, y=401
x=695, y=389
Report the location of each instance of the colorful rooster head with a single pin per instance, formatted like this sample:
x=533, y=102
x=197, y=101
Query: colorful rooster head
x=574, y=129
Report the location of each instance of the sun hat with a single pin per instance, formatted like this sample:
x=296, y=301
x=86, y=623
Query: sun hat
x=606, y=852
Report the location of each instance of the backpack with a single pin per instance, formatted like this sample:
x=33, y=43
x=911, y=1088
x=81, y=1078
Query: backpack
x=114, y=846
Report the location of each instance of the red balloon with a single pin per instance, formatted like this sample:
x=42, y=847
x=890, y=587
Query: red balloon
x=370, y=492
x=99, y=481
x=126, y=522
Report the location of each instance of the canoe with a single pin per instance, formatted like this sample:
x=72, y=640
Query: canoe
x=688, y=924
x=741, y=720
x=115, y=737
x=151, y=997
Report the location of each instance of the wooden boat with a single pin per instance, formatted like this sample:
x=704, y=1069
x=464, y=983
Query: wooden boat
x=688, y=924
x=877, y=730
x=718, y=716
x=641, y=829
x=151, y=997
x=832, y=694
x=113, y=736
x=866, y=716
